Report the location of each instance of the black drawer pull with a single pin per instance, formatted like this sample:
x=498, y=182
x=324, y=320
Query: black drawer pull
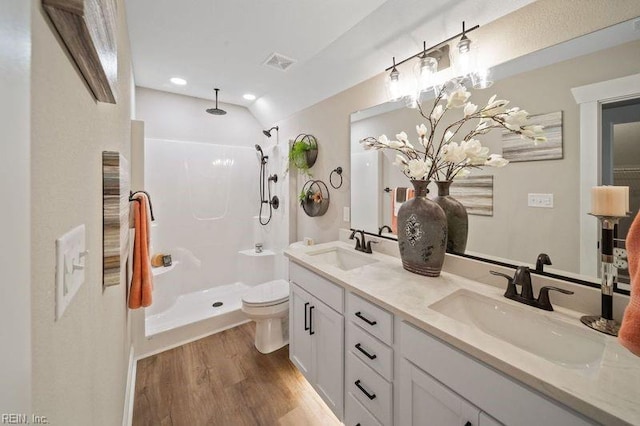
x=364, y=391
x=306, y=327
x=311, y=332
x=367, y=354
x=367, y=320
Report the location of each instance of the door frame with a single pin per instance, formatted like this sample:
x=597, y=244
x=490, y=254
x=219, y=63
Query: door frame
x=591, y=97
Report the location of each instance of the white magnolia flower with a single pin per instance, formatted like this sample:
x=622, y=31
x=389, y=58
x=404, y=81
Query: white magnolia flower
x=421, y=130
x=516, y=118
x=470, y=109
x=402, y=137
x=400, y=160
x=496, y=160
x=458, y=98
x=418, y=169
x=453, y=153
x=383, y=139
x=395, y=144
x=437, y=113
x=495, y=107
x=448, y=136
x=474, y=150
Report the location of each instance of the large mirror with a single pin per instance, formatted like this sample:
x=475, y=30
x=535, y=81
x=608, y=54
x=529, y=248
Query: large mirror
x=536, y=204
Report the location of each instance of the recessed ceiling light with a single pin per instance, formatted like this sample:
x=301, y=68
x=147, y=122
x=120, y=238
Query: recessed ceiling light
x=249, y=97
x=178, y=81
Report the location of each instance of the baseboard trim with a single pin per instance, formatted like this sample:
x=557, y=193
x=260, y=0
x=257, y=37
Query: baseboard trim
x=127, y=416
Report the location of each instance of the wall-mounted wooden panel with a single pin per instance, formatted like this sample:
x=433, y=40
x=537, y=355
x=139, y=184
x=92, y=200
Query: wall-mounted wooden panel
x=115, y=216
x=88, y=29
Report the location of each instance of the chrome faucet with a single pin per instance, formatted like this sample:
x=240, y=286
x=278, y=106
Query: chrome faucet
x=522, y=278
x=361, y=244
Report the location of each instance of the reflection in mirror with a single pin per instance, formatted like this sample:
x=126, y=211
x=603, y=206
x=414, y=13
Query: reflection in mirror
x=534, y=204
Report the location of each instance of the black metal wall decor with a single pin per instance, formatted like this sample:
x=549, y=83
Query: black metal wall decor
x=314, y=198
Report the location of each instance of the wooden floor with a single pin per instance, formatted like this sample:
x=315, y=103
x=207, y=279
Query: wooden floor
x=223, y=380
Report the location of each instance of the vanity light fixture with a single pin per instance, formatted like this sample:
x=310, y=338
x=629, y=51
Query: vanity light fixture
x=426, y=69
x=178, y=81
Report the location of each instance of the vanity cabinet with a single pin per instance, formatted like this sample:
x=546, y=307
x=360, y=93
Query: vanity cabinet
x=464, y=391
x=316, y=335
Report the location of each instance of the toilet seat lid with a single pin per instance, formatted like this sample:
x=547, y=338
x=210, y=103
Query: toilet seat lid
x=271, y=293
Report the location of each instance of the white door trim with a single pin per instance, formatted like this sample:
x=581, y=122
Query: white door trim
x=590, y=98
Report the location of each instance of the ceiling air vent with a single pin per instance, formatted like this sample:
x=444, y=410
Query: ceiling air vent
x=278, y=61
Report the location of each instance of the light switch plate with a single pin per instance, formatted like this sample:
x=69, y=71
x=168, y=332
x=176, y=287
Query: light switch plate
x=71, y=256
x=540, y=200
x=346, y=214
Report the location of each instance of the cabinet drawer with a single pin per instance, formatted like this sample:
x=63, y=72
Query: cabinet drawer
x=322, y=288
x=368, y=387
x=370, y=350
x=371, y=318
x=356, y=414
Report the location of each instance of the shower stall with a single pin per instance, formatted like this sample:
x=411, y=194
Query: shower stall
x=206, y=199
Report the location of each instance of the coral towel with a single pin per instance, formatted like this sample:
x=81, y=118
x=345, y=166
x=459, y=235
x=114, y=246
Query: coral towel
x=398, y=196
x=142, y=280
x=629, y=335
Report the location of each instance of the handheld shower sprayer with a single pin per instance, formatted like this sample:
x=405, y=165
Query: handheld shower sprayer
x=265, y=187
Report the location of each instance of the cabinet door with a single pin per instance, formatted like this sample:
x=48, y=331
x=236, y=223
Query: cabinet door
x=327, y=329
x=299, y=335
x=426, y=401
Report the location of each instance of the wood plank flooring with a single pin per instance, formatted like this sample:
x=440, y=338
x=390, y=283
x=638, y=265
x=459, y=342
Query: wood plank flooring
x=223, y=380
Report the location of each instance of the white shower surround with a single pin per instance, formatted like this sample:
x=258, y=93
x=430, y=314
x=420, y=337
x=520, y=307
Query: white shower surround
x=205, y=199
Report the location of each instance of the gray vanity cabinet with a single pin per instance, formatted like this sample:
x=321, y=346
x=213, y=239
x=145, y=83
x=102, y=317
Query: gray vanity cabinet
x=316, y=334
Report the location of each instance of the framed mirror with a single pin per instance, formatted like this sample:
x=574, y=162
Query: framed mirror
x=536, y=204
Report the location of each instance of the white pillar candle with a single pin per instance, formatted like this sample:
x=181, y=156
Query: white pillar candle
x=610, y=200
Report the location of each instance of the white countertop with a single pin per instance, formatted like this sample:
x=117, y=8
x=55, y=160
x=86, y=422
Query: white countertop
x=609, y=394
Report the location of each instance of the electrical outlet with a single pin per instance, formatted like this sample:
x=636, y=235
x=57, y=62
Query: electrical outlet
x=620, y=252
x=620, y=263
x=540, y=200
x=346, y=214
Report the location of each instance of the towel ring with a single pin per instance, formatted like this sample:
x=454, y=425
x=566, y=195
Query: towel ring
x=131, y=194
x=338, y=171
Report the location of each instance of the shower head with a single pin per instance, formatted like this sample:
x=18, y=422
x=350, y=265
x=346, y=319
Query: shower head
x=216, y=110
x=267, y=133
x=259, y=149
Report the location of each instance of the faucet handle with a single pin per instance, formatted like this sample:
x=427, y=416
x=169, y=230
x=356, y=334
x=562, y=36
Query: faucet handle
x=543, y=297
x=511, y=286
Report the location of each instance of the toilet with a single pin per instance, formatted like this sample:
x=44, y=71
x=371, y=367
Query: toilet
x=268, y=305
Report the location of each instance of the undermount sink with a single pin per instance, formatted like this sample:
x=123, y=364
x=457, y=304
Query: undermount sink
x=342, y=258
x=537, y=333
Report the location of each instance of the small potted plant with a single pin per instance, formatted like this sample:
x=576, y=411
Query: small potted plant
x=303, y=153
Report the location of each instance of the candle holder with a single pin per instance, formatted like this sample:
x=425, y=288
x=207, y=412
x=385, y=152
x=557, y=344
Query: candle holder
x=605, y=322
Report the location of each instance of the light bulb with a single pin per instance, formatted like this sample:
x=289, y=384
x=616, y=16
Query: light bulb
x=424, y=70
x=394, y=85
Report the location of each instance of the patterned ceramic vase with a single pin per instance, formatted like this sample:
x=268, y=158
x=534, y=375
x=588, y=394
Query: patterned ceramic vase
x=422, y=233
x=457, y=219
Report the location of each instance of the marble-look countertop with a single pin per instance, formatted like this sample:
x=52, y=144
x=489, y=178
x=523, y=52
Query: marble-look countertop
x=609, y=393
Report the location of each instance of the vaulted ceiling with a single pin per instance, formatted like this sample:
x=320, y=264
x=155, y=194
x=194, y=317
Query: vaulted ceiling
x=335, y=44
